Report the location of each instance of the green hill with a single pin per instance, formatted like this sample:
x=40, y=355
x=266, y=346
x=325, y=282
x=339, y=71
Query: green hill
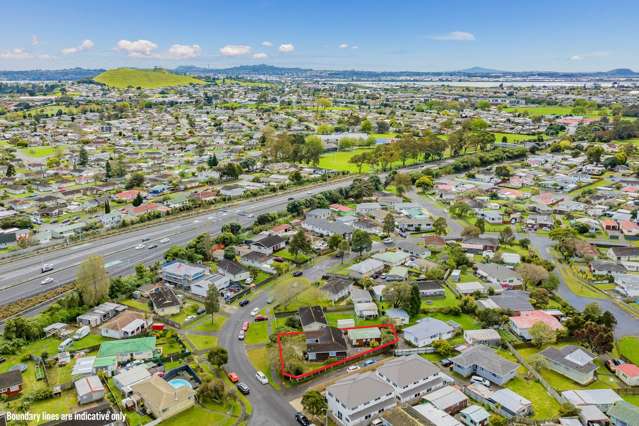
x=145, y=78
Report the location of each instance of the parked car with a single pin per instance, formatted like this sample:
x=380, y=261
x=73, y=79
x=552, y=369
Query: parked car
x=201, y=310
x=259, y=318
x=301, y=419
x=269, y=299
x=245, y=325
x=261, y=377
x=255, y=311
x=612, y=364
x=446, y=362
x=242, y=387
x=369, y=362
x=46, y=267
x=241, y=335
x=233, y=377
x=352, y=368
x=297, y=273
x=480, y=380
x=388, y=240
x=2, y=359
x=244, y=302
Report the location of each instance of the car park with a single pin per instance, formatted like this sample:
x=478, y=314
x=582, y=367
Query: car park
x=261, y=377
x=233, y=377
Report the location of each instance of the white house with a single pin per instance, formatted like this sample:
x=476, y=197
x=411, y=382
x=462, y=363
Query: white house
x=412, y=377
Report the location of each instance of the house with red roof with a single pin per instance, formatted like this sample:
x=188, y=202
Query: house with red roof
x=609, y=224
x=629, y=229
x=522, y=323
x=510, y=194
x=628, y=373
x=145, y=208
x=340, y=208
x=126, y=196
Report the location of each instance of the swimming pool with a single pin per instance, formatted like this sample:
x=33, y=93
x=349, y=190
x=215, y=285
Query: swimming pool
x=179, y=383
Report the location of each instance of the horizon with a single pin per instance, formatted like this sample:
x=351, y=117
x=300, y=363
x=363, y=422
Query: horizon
x=419, y=36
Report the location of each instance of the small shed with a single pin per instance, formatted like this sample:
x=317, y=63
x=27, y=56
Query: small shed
x=89, y=389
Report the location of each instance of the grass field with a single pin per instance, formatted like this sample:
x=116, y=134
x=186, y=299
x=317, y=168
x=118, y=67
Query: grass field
x=257, y=333
x=629, y=348
x=38, y=151
x=576, y=286
x=243, y=83
x=551, y=110
x=205, y=324
x=259, y=358
x=514, y=137
x=202, y=342
x=339, y=161
x=146, y=78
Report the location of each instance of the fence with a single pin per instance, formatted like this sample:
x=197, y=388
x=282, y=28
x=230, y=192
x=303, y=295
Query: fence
x=560, y=399
x=410, y=351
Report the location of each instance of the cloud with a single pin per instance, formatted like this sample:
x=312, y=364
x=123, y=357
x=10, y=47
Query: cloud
x=455, y=36
x=182, y=51
x=235, y=50
x=343, y=46
x=286, y=48
x=137, y=48
x=267, y=44
x=35, y=40
x=85, y=45
x=589, y=55
x=355, y=47
x=260, y=55
x=16, y=53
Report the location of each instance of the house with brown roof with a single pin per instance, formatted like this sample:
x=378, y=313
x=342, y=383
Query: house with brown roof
x=324, y=343
x=10, y=383
x=125, y=325
x=160, y=399
x=312, y=318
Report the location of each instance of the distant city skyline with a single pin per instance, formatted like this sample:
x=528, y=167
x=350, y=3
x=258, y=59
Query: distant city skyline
x=379, y=36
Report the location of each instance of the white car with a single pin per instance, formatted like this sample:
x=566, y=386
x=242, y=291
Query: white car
x=241, y=335
x=165, y=240
x=46, y=267
x=255, y=311
x=352, y=368
x=480, y=380
x=47, y=280
x=261, y=377
x=140, y=246
x=388, y=240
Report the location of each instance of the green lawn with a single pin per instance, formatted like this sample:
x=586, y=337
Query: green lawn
x=66, y=403
x=202, y=342
x=544, y=406
x=88, y=341
x=448, y=300
x=189, y=308
x=285, y=254
x=137, y=304
x=204, y=323
x=259, y=358
x=576, y=285
x=38, y=151
x=210, y=414
x=551, y=110
x=629, y=348
x=514, y=137
x=339, y=161
x=146, y=78
x=257, y=333
x=466, y=321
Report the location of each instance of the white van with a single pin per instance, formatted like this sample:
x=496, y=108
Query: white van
x=62, y=347
x=261, y=377
x=81, y=332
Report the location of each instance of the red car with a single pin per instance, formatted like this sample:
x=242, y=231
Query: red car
x=259, y=318
x=245, y=326
x=234, y=378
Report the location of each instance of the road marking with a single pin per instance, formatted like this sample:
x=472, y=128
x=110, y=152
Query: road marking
x=112, y=263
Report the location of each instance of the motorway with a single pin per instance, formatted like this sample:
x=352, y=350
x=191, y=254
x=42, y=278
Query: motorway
x=22, y=277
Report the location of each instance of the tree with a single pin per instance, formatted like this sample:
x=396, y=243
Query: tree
x=135, y=181
x=342, y=249
x=11, y=170
x=334, y=241
x=402, y=183
x=598, y=337
x=542, y=334
x=532, y=274
x=594, y=153
x=212, y=301
x=361, y=241
x=313, y=149
x=299, y=244
x=389, y=223
x=424, y=183
x=314, y=403
x=138, y=200
x=506, y=236
x=212, y=391
x=217, y=356
x=382, y=126
x=503, y=171
x=471, y=231
x=92, y=280
x=366, y=126
x=107, y=207
x=440, y=226
x=459, y=209
x=83, y=158
x=443, y=348
x=398, y=295
x=108, y=173
x=229, y=253
x=415, y=300
x=212, y=161
x=360, y=159
x=481, y=224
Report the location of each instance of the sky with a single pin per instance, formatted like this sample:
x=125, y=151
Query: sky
x=444, y=35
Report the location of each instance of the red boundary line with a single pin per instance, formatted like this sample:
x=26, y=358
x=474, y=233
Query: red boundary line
x=323, y=368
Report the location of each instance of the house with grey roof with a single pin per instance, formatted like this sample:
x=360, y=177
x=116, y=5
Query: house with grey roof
x=337, y=287
x=623, y=413
x=512, y=300
x=359, y=295
x=601, y=398
x=365, y=268
x=500, y=275
x=359, y=399
x=412, y=377
x=325, y=228
x=484, y=361
x=413, y=249
x=571, y=361
x=268, y=244
x=427, y=330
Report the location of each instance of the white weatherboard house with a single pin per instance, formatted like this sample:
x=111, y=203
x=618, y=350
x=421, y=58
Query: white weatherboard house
x=426, y=331
x=359, y=399
x=412, y=377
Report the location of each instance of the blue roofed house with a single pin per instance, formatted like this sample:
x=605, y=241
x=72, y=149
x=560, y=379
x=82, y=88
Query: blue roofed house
x=484, y=361
x=427, y=330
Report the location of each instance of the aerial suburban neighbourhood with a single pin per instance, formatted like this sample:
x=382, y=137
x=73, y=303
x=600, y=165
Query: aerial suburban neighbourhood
x=231, y=244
